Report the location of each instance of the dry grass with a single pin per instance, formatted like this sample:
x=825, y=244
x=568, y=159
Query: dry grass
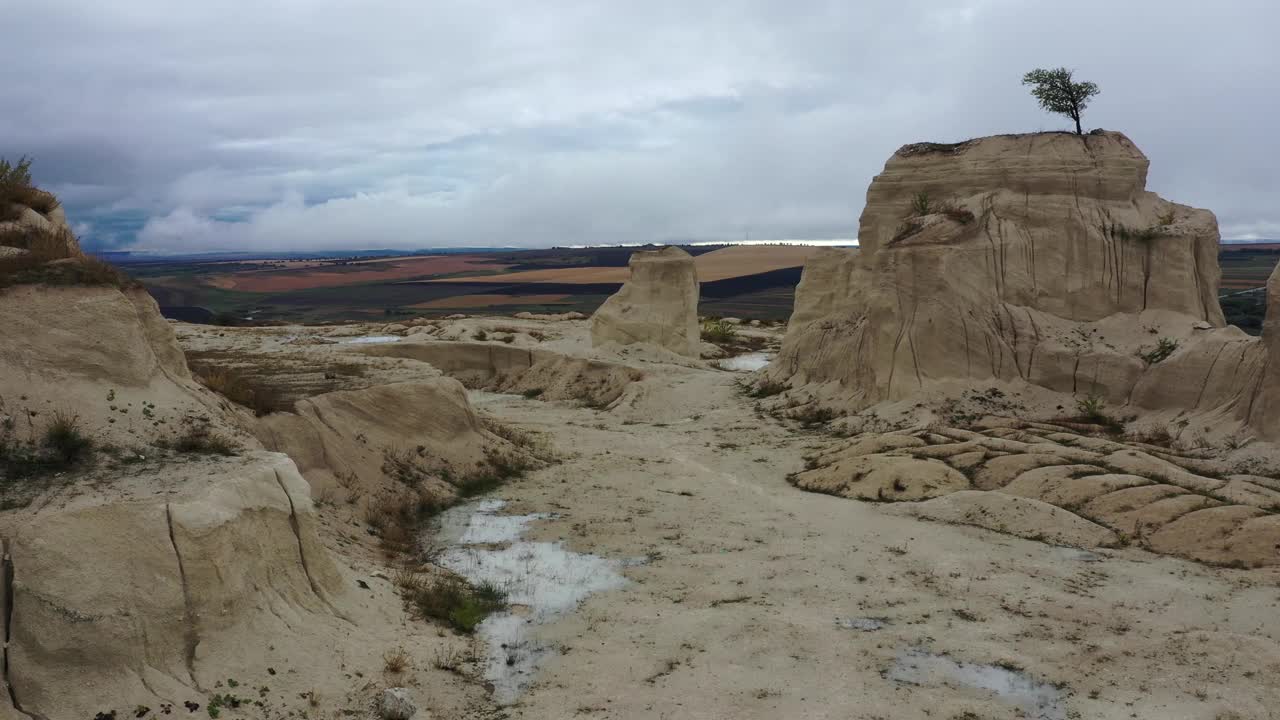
x=16, y=189
x=397, y=519
x=198, y=439
x=48, y=261
x=395, y=661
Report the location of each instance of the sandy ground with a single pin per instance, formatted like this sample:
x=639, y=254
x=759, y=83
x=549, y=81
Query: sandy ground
x=760, y=600
x=737, y=614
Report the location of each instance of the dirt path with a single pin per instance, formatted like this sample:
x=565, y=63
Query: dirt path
x=763, y=601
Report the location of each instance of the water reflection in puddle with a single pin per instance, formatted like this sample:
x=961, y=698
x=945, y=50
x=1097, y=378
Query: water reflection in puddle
x=749, y=362
x=1037, y=699
x=372, y=339
x=542, y=579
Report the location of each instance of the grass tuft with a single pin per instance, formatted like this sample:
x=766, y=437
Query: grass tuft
x=453, y=601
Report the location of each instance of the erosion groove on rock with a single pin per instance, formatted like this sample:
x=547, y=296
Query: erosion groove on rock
x=1038, y=259
x=1048, y=483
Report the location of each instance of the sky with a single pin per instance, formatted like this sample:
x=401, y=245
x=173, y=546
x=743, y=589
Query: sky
x=326, y=124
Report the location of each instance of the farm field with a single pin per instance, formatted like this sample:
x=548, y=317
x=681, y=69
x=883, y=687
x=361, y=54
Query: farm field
x=755, y=281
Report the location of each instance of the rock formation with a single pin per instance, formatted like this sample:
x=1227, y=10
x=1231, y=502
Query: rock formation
x=658, y=305
x=33, y=221
x=104, y=355
x=372, y=442
x=150, y=589
x=538, y=373
x=1037, y=258
x=147, y=570
x=1047, y=482
x=1039, y=266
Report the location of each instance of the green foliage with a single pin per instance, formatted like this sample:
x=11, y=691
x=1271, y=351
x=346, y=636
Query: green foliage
x=920, y=203
x=1092, y=408
x=1059, y=93
x=451, y=600
x=1163, y=349
x=15, y=175
x=62, y=446
x=16, y=189
x=65, y=442
x=718, y=332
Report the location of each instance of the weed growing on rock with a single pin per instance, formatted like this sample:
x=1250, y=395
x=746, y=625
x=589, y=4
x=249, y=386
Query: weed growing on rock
x=718, y=332
x=197, y=439
x=1163, y=349
x=920, y=204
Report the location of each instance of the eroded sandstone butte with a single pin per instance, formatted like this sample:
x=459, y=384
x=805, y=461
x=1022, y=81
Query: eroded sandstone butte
x=1037, y=258
x=658, y=305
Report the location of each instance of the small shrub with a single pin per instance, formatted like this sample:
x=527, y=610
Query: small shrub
x=406, y=466
x=481, y=335
x=719, y=332
x=395, y=661
x=497, y=468
x=398, y=518
x=533, y=393
x=1092, y=408
x=1124, y=232
x=1163, y=349
x=198, y=439
x=64, y=441
x=1167, y=218
x=451, y=600
x=920, y=204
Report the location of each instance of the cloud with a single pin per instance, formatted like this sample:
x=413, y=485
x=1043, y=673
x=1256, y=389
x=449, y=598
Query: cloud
x=327, y=124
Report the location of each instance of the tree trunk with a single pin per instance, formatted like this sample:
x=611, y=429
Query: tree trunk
x=1079, y=130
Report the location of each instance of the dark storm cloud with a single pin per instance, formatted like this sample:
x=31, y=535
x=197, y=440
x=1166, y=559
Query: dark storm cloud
x=330, y=123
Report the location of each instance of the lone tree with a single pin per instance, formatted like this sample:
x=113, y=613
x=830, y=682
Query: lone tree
x=1058, y=94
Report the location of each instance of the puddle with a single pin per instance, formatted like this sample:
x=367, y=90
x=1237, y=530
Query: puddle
x=746, y=363
x=372, y=339
x=542, y=579
x=865, y=624
x=1037, y=699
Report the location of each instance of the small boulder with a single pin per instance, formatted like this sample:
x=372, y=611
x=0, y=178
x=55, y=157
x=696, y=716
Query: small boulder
x=397, y=704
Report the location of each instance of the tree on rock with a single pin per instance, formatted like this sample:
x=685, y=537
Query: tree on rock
x=1058, y=93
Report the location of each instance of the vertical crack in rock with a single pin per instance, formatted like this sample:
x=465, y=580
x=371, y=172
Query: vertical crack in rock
x=190, y=636
x=1209, y=375
x=302, y=553
x=8, y=623
x=297, y=534
x=1146, y=273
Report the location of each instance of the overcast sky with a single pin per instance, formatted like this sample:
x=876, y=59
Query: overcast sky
x=313, y=124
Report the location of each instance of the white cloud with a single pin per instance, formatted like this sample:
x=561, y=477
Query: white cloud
x=328, y=123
